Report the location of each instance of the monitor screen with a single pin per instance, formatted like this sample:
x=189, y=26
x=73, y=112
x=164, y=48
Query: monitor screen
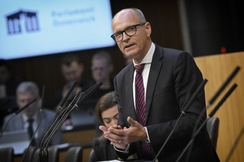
x=36, y=27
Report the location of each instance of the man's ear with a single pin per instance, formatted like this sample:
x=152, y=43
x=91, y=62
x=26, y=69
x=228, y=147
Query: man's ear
x=148, y=29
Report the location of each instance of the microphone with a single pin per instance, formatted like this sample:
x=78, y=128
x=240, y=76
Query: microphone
x=90, y=91
x=43, y=96
x=67, y=95
x=235, y=144
x=57, y=117
x=40, y=117
x=28, y=104
x=81, y=98
x=231, y=76
x=14, y=114
x=58, y=114
x=209, y=116
x=61, y=118
x=200, y=87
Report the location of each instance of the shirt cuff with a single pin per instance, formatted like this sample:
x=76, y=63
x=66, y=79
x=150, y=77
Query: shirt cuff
x=126, y=151
x=148, y=139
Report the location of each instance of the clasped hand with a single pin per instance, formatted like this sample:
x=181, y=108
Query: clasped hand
x=120, y=138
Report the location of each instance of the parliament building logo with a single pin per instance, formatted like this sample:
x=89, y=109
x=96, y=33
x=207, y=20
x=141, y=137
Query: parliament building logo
x=22, y=21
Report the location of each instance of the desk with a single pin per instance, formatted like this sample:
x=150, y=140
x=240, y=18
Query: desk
x=82, y=135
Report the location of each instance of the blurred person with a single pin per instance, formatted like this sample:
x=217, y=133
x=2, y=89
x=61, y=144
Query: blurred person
x=72, y=70
x=29, y=117
x=102, y=67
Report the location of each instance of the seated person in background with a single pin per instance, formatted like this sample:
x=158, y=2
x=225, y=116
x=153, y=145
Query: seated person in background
x=72, y=70
x=8, y=86
x=26, y=92
x=102, y=67
x=107, y=114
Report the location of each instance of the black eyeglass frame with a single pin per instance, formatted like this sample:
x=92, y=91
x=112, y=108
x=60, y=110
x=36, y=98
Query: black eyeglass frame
x=124, y=31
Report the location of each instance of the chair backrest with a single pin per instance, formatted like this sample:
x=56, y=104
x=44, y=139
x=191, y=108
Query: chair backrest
x=53, y=155
x=91, y=156
x=7, y=154
x=28, y=156
x=74, y=154
x=213, y=130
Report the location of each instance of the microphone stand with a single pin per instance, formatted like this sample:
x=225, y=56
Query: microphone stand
x=231, y=76
x=58, y=114
x=43, y=155
x=200, y=87
x=39, y=122
x=235, y=144
x=209, y=116
x=61, y=121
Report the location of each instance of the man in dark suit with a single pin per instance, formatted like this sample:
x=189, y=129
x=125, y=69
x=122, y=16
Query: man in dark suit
x=26, y=92
x=151, y=93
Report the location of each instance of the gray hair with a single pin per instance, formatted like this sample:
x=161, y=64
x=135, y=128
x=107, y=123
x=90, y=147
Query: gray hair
x=28, y=87
x=140, y=14
x=102, y=54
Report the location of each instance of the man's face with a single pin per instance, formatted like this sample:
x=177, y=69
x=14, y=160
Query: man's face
x=101, y=70
x=135, y=46
x=23, y=99
x=73, y=72
x=4, y=74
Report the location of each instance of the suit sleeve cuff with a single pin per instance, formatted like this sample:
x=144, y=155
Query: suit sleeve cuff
x=126, y=151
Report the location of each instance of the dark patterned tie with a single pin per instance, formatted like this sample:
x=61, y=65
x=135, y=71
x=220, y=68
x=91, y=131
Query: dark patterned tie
x=140, y=108
x=30, y=131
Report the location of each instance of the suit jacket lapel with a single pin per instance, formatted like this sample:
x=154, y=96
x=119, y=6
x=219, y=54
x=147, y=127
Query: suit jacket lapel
x=130, y=108
x=152, y=78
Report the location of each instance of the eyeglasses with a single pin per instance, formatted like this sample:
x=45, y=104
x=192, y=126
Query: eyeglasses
x=130, y=31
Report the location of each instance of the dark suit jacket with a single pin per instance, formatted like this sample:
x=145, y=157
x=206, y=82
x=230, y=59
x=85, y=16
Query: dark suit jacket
x=173, y=79
x=17, y=123
x=103, y=150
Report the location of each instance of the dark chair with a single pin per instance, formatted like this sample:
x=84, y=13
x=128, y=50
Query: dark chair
x=53, y=154
x=28, y=156
x=74, y=154
x=91, y=156
x=213, y=130
x=7, y=154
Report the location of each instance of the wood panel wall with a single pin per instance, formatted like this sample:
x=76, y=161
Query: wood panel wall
x=217, y=69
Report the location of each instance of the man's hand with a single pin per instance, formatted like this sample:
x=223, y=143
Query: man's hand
x=119, y=136
x=115, y=139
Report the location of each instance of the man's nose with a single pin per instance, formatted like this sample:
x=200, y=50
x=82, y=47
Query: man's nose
x=125, y=36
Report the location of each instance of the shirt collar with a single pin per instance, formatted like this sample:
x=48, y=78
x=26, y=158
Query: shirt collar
x=148, y=58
